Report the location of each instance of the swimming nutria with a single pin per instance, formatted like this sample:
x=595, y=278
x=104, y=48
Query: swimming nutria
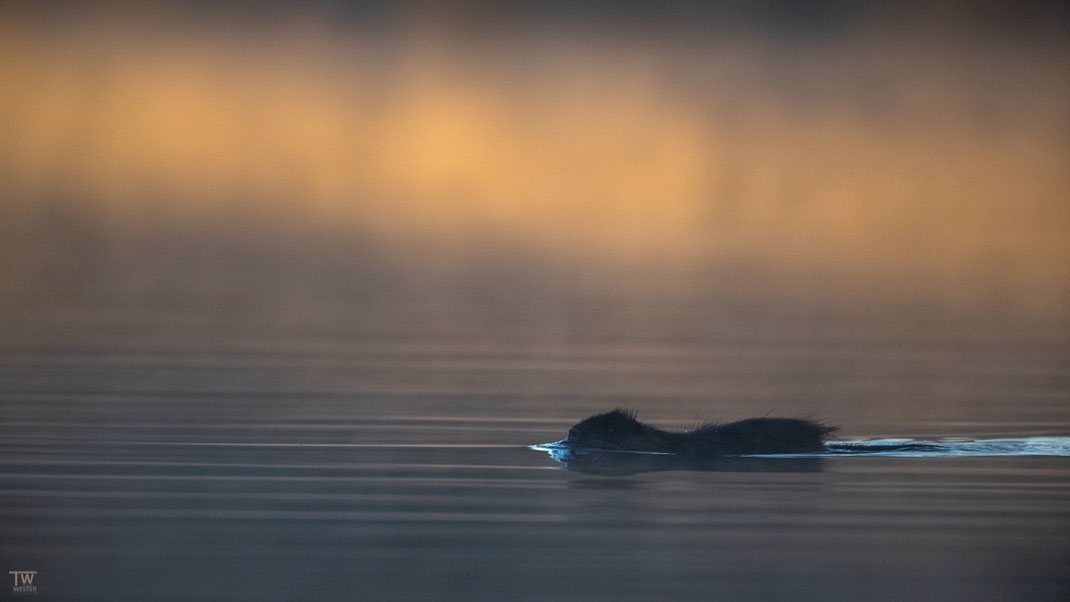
x=619, y=430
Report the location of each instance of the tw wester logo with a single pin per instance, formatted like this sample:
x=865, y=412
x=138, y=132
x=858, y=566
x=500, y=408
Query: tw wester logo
x=23, y=582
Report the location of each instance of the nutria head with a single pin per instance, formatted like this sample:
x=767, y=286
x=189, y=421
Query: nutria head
x=616, y=430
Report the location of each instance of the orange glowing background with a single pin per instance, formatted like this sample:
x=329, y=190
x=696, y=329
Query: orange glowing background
x=916, y=151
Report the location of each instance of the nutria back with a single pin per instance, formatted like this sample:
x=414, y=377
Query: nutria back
x=620, y=430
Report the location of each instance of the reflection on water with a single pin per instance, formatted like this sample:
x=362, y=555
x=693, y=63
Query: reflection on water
x=225, y=425
x=136, y=455
x=1030, y=446
x=629, y=462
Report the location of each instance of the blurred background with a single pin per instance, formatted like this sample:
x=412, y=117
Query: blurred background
x=294, y=157
x=539, y=176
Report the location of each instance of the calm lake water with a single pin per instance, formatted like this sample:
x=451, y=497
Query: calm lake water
x=190, y=414
x=380, y=452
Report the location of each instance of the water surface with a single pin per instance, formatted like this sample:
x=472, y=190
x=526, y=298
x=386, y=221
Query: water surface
x=150, y=463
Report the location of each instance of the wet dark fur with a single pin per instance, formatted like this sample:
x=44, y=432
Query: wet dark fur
x=619, y=430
